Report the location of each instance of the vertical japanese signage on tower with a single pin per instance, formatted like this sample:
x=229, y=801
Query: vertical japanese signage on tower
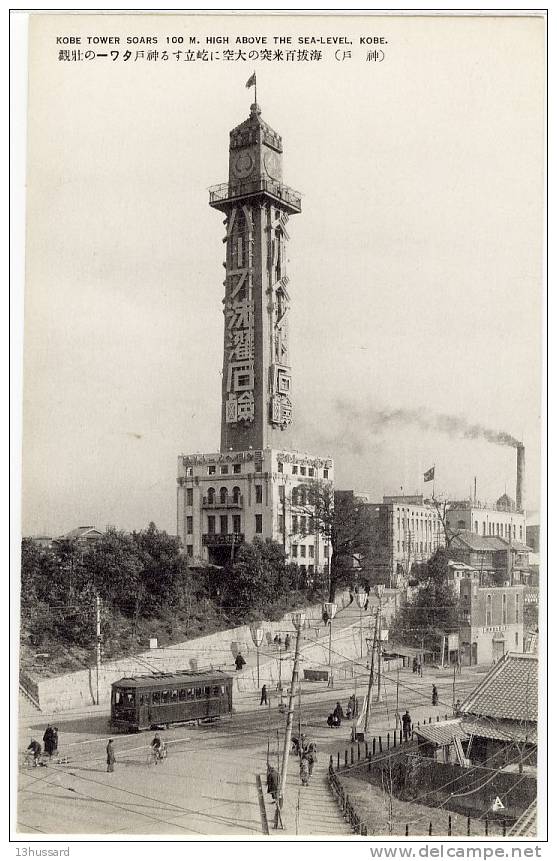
x=239, y=310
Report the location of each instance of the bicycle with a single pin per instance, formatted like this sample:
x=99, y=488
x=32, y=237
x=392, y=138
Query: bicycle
x=156, y=755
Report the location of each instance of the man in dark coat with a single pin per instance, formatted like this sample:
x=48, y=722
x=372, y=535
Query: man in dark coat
x=406, y=725
x=338, y=713
x=434, y=696
x=272, y=781
x=240, y=661
x=264, y=699
x=110, y=756
x=37, y=750
x=49, y=741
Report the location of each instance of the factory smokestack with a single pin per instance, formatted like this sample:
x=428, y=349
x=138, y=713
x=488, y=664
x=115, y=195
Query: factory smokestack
x=520, y=464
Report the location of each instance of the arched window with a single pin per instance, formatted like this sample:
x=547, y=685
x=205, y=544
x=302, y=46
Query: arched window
x=488, y=612
x=461, y=524
x=211, y=496
x=236, y=494
x=223, y=495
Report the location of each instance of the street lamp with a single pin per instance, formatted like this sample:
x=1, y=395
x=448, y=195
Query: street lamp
x=329, y=612
x=257, y=635
x=298, y=619
x=361, y=599
x=370, y=648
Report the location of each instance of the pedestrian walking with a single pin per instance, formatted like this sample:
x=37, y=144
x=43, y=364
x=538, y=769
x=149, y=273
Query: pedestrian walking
x=287, y=642
x=406, y=725
x=415, y=665
x=55, y=738
x=272, y=781
x=311, y=756
x=48, y=741
x=304, y=770
x=264, y=700
x=420, y=669
x=456, y=708
x=240, y=661
x=110, y=756
x=338, y=713
x=434, y=696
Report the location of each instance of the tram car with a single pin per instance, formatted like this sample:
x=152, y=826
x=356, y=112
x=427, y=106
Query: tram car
x=162, y=699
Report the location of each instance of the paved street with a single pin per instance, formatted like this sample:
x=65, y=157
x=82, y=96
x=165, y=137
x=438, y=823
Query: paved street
x=208, y=785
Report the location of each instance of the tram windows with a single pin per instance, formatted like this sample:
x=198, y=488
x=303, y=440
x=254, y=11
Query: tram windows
x=182, y=694
x=144, y=699
x=118, y=698
x=174, y=696
x=222, y=689
x=156, y=698
x=190, y=693
x=207, y=692
x=166, y=696
x=199, y=693
x=216, y=691
x=129, y=698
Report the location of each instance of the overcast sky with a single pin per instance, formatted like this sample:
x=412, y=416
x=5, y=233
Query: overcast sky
x=415, y=266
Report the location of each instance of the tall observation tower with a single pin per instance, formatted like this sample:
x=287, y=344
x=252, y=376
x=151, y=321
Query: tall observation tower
x=249, y=489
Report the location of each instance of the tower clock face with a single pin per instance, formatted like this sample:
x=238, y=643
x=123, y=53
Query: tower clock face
x=272, y=164
x=243, y=164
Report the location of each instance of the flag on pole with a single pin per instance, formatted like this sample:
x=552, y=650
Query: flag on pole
x=251, y=82
x=430, y=474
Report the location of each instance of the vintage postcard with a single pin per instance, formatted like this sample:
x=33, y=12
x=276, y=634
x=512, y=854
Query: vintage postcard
x=281, y=565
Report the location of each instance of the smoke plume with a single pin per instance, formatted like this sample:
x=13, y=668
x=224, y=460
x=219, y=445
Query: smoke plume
x=372, y=420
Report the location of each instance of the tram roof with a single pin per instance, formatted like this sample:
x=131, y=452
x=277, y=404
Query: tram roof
x=168, y=679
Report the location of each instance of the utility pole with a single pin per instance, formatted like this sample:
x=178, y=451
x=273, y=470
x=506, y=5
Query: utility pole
x=298, y=622
x=397, y=720
x=98, y=606
x=379, y=648
x=370, y=683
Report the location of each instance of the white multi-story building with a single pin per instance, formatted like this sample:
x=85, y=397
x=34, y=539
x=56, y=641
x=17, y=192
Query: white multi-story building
x=501, y=520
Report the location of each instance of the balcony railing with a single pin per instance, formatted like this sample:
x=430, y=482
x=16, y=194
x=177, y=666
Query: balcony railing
x=229, y=502
x=230, y=190
x=215, y=539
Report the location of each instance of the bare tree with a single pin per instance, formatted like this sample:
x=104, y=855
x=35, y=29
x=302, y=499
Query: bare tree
x=441, y=507
x=338, y=518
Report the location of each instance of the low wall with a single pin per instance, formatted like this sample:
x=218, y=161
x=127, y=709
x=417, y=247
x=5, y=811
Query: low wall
x=218, y=650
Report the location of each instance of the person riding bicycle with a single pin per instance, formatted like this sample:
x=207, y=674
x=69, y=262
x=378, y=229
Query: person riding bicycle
x=159, y=748
x=36, y=750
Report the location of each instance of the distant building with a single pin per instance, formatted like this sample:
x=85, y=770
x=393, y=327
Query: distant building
x=403, y=530
x=40, y=540
x=496, y=559
x=498, y=521
x=84, y=535
x=492, y=622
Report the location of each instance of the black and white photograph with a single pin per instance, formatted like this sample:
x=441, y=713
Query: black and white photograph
x=280, y=555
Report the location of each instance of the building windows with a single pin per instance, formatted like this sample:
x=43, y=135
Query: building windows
x=476, y=526
x=488, y=612
x=514, y=531
x=516, y=638
x=520, y=530
x=223, y=495
x=311, y=525
x=211, y=524
x=280, y=466
x=237, y=468
x=280, y=523
x=398, y=547
x=259, y=493
x=303, y=525
x=303, y=550
x=211, y=470
x=483, y=528
x=294, y=523
x=311, y=549
x=223, y=524
x=294, y=470
x=311, y=569
x=189, y=495
x=189, y=550
x=504, y=609
x=224, y=470
x=302, y=470
x=326, y=551
x=211, y=496
x=295, y=551
x=236, y=495
x=516, y=610
x=236, y=523
x=189, y=471
x=189, y=525
x=259, y=466
x=281, y=492
x=259, y=523
x=325, y=473
x=311, y=472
